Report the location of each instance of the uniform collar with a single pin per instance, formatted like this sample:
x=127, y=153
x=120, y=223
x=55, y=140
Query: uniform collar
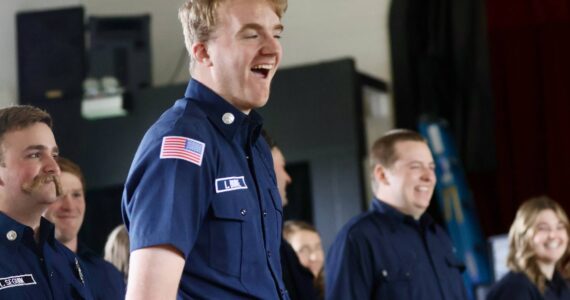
x=215, y=107
x=13, y=232
x=396, y=217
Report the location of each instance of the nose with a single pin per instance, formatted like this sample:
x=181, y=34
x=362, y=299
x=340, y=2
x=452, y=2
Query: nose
x=288, y=179
x=51, y=166
x=66, y=202
x=428, y=175
x=271, y=46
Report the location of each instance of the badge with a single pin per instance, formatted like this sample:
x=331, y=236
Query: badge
x=15, y=281
x=79, y=272
x=230, y=184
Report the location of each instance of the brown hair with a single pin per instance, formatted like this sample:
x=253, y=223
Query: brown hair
x=383, y=151
x=199, y=20
x=521, y=256
x=19, y=117
x=66, y=165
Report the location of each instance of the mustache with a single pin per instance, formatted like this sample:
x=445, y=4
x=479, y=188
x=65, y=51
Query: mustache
x=41, y=180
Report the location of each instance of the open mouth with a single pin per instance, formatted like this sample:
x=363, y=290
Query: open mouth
x=262, y=70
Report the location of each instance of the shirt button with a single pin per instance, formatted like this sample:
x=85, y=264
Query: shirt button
x=11, y=235
x=228, y=118
x=269, y=253
x=264, y=213
x=243, y=212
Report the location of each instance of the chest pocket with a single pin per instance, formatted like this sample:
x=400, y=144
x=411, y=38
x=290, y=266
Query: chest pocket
x=395, y=274
x=393, y=285
x=230, y=210
x=454, y=281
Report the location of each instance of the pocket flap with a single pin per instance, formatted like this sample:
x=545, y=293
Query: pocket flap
x=453, y=262
x=230, y=207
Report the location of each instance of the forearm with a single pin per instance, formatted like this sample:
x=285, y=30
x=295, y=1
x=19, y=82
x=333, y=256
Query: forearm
x=154, y=273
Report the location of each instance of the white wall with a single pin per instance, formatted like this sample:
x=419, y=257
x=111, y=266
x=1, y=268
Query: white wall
x=315, y=30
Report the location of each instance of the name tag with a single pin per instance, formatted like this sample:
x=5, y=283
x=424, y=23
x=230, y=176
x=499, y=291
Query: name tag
x=15, y=281
x=230, y=184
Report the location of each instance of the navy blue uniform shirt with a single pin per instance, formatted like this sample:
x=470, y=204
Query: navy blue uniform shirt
x=44, y=270
x=105, y=281
x=298, y=279
x=203, y=181
x=384, y=254
x=517, y=286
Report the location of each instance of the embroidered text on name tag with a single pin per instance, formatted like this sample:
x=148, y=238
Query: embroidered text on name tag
x=18, y=280
x=230, y=184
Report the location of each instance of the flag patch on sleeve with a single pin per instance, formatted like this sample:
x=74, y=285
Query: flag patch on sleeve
x=179, y=147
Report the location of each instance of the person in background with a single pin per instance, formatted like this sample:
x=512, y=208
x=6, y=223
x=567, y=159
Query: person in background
x=33, y=264
x=306, y=242
x=539, y=258
x=67, y=214
x=117, y=250
x=297, y=278
x=395, y=250
x=200, y=203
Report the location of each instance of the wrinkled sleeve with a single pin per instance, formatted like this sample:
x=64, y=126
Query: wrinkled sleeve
x=349, y=271
x=166, y=200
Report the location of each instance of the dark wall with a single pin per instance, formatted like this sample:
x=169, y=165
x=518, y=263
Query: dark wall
x=314, y=113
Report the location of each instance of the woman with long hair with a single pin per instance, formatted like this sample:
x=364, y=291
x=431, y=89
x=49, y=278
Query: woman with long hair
x=306, y=242
x=539, y=258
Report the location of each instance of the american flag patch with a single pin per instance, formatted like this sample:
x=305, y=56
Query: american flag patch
x=180, y=147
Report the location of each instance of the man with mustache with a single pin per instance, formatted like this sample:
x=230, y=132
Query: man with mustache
x=395, y=250
x=34, y=264
x=201, y=202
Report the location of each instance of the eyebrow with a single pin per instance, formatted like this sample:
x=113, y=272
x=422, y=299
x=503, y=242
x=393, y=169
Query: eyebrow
x=41, y=148
x=255, y=26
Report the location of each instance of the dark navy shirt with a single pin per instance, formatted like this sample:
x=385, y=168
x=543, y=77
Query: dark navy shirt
x=298, y=279
x=384, y=254
x=517, y=286
x=44, y=270
x=212, y=195
x=105, y=281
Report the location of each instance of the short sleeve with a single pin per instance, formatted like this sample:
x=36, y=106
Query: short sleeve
x=166, y=199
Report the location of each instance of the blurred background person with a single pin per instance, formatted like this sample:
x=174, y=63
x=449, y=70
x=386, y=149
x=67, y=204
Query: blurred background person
x=67, y=215
x=306, y=242
x=117, y=249
x=297, y=278
x=538, y=257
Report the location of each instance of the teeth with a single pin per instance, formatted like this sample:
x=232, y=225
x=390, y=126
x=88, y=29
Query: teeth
x=553, y=244
x=263, y=67
x=422, y=188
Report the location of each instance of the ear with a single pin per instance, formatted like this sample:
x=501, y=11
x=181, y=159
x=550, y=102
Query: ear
x=380, y=175
x=200, y=53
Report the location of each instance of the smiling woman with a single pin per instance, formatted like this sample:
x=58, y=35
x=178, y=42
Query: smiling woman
x=539, y=258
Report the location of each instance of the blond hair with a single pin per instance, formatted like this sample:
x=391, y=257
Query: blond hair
x=521, y=256
x=117, y=249
x=199, y=20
